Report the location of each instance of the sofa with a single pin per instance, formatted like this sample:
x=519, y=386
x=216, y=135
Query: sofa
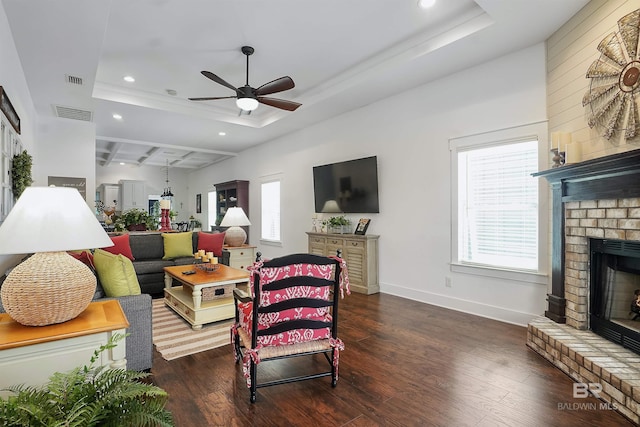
x=147, y=250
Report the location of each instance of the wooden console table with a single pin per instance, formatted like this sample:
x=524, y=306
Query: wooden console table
x=31, y=354
x=360, y=253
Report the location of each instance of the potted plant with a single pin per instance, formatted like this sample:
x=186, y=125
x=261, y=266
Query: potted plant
x=337, y=224
x=136, y=220
x=88, y=396
x=21, y=173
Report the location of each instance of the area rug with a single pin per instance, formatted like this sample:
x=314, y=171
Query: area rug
x=174, y=338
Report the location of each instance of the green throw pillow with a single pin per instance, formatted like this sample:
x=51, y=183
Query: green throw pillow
x=177, y=245
x=116, y=274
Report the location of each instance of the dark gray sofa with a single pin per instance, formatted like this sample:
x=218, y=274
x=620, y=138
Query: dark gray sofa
x=148, y=250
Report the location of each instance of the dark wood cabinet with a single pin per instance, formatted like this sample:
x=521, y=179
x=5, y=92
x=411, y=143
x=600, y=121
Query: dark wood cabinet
x=232, y=194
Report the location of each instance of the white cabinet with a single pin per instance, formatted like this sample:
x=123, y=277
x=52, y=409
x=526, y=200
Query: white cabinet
x=30, y=355
x=110, y=195
x=241, y=257
x=134, y=195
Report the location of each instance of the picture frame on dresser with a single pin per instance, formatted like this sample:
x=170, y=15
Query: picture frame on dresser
x=361, y=228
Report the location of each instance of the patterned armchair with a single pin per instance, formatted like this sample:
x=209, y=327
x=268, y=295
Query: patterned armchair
x=291, y=310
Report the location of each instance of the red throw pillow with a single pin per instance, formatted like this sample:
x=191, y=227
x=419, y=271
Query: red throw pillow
x=211, y=242
x=120, y=246
x=85, y=257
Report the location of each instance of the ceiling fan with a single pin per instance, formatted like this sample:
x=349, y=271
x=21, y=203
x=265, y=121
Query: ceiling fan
x=247, y=98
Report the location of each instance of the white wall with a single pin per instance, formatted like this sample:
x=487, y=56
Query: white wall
x=66, y=148
x=13, y=82
x=409, y=133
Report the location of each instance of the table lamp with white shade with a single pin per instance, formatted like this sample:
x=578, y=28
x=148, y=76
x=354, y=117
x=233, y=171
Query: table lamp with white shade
x=331, y=206
x=50, y=286
x=234, y=219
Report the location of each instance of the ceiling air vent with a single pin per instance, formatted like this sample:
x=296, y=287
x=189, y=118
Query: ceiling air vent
x=73, y=79
x=73, y=113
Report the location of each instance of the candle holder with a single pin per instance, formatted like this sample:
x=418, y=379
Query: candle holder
x=165, y=224
x=558, y=157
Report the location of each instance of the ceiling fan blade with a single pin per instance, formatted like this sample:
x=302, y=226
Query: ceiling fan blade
x=277, y=85
x=211, y=98
x=279, y=103
x=210, y=75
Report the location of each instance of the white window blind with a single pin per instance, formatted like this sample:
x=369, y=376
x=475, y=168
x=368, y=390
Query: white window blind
x=498, y=206
x=270, y=193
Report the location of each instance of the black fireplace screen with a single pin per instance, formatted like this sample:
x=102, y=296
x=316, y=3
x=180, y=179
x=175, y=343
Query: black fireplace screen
x=614, y=311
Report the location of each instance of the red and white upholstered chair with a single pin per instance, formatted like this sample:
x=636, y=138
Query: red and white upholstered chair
x=291, y=310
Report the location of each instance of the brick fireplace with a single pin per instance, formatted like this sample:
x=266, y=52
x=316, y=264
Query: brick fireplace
x=600, y=199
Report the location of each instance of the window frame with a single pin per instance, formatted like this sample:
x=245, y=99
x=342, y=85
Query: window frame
x=533, y=131
x=267, y=180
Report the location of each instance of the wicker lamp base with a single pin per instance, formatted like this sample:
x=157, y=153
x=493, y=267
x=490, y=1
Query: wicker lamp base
x=235, y=236
x=48, y=288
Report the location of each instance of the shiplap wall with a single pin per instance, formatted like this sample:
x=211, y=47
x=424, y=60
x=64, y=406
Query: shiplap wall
x=570, y=52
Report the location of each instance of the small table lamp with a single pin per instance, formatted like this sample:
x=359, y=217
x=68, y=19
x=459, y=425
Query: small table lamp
x=234, y=219
x=50, y=286
x=331, y=206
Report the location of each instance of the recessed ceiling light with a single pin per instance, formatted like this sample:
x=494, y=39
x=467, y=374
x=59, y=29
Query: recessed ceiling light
x=129, y=79
x=117, y=116
x=122, y=163
x=426, y=4
x=222, y=133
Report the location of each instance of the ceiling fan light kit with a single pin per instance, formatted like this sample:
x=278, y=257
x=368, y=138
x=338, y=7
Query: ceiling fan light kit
x=248, y=98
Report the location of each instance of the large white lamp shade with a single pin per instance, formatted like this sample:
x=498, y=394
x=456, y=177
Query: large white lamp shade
x=234, y=219
x=50, y=286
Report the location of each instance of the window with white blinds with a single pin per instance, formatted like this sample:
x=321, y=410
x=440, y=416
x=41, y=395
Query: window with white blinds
x=498, y=205
x=270, y=195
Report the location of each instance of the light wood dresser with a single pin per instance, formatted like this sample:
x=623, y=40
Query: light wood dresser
x=360, y=253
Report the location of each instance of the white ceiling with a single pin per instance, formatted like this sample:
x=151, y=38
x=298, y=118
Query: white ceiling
x=342, y=55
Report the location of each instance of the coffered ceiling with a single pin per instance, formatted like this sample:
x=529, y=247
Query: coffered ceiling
x=342, y=55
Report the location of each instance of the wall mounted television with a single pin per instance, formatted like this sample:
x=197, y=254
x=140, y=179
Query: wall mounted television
x=353, y=185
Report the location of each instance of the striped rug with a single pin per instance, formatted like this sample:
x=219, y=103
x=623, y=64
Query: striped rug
x=174, y=338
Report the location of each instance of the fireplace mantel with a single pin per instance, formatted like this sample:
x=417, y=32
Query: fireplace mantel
x=611, y=177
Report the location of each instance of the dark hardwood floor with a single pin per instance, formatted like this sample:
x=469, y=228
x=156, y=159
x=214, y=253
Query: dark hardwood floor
x=405, y=364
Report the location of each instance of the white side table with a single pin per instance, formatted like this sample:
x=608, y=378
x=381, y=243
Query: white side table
x=30, y=355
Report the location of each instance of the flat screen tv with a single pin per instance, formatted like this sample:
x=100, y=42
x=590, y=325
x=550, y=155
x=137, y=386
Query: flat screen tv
x=352, y=185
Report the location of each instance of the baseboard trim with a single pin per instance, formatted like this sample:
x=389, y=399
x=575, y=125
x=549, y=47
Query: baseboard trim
x=470, y=307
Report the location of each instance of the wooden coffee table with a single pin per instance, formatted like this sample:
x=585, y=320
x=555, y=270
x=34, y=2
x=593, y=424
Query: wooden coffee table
x=203, y=297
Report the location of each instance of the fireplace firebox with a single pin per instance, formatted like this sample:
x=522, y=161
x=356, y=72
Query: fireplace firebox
x=614, y=288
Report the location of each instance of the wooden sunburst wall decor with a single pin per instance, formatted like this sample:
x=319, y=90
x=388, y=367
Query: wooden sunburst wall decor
x=612, y=97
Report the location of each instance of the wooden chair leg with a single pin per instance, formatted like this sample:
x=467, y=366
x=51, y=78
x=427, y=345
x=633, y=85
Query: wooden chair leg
x=334, y=370
x=253, y=372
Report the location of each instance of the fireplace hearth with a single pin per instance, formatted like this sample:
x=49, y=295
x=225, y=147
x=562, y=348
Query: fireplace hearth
x=588, y=330
x=614, y=291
